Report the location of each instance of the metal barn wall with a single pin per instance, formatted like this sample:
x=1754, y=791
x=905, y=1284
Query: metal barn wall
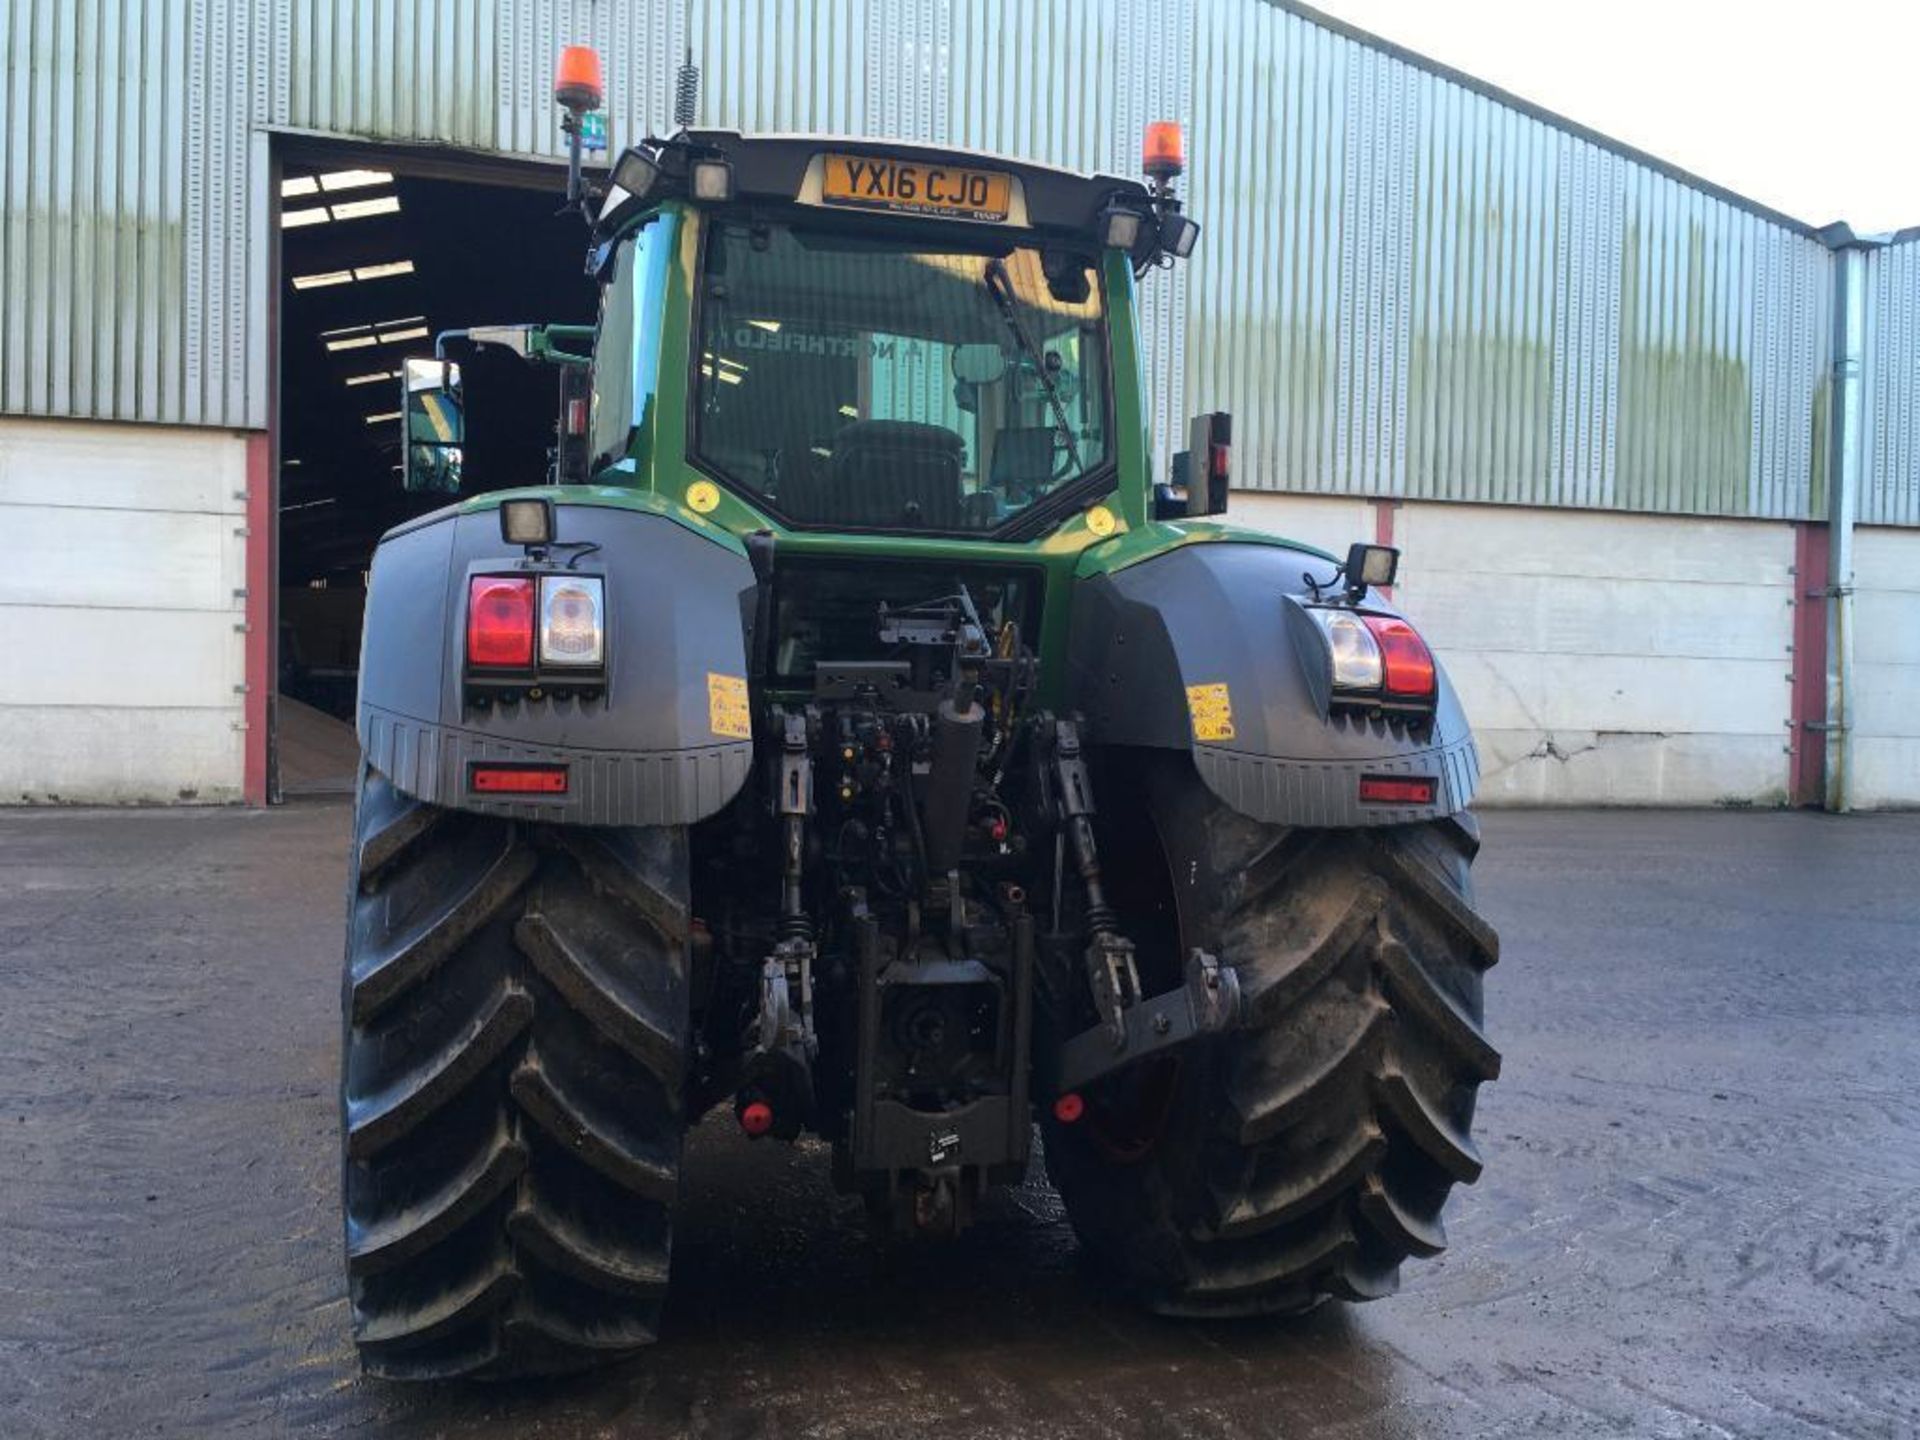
x=1407, y=287
x=1890, y=422
x=1410, y=289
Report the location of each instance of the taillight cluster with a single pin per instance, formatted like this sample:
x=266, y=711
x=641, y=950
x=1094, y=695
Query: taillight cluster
x=519, y=624
x=1375, y=659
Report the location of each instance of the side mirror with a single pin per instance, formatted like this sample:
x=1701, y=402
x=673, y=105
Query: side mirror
x=978, y=364
x=435, y=427
x=1209, y=452
x=572, y=442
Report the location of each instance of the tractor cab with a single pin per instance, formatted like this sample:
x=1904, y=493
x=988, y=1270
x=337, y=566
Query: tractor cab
x=821, y=334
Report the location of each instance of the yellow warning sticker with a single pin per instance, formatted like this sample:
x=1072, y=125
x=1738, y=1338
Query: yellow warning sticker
x=1211, y=707
x=727, y=712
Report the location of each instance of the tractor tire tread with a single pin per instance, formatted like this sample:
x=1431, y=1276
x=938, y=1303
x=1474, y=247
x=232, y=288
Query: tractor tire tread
x=516, y=1036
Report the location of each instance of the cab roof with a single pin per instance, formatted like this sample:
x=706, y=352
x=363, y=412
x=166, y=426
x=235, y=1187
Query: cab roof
x=777, y=166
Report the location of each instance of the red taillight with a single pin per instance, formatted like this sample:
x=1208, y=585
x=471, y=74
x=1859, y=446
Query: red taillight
x=1407, y=661
x=1396, y=790
x=500, y=621
x=756, y=1118
x=518, y=779
x=1069, y=1108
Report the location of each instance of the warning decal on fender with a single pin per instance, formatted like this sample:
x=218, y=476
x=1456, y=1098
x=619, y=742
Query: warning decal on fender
x=1211, y=707
x=727, y=712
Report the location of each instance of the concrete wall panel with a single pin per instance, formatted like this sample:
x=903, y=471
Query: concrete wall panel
x=118, y=754
x=1886, y=728
x=1331, y=522
x=1603, y=659
x=71, y=556
x=134, y=604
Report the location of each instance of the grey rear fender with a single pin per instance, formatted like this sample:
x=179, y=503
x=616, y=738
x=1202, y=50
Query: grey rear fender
x=1147, y=638
x=643, y=750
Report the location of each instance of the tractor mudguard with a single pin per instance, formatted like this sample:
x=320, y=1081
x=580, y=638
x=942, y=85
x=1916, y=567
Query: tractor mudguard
x=1195, y=649
x=644, y=750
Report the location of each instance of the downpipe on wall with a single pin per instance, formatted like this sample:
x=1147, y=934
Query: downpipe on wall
x=1843, y=491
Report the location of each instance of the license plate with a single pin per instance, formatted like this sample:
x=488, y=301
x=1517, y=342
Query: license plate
x=916, y=188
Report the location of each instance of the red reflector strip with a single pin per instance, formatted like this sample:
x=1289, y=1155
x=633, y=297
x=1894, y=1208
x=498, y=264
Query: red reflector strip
x=518, y=779
x=1396, y=790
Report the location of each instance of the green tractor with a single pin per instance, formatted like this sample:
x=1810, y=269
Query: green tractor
x=854, y=735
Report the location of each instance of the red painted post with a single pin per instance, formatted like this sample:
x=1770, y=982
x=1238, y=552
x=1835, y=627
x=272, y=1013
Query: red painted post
x=261, y=680
x=1383, y=530
x=1807, y=741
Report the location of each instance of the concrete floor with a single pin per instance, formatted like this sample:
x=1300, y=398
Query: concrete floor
x=1701, y=1213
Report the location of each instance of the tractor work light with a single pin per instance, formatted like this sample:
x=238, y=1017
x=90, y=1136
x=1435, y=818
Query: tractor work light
x=572, y=629
x=634, y=175
x=1178, y=235
x=1369, y=565
x=500, y=622
x=712, y=180
x=1121, y=230
x=526, y=522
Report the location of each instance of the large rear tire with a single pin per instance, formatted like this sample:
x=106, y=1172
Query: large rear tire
x=1307, y=1156
x=516, y=1032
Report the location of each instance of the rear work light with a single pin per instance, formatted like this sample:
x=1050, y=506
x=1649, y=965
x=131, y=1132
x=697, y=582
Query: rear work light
x=518, y=779
x=500, y=622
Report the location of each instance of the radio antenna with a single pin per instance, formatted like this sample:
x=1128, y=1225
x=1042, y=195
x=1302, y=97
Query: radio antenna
x=686, y=94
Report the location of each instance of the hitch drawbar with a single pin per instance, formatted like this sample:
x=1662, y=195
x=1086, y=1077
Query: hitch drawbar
x=1206, y=1004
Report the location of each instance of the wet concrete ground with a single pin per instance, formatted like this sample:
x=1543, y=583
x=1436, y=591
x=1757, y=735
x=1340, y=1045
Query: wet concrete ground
x=1701, y=1213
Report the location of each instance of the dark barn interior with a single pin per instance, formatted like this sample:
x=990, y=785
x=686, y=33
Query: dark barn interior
x=374, y=263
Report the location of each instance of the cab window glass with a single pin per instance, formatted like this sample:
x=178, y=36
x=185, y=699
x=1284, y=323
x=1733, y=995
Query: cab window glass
x=879, y=384
x=623, y=370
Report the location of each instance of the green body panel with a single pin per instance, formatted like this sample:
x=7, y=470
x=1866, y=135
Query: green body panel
x=656, y=474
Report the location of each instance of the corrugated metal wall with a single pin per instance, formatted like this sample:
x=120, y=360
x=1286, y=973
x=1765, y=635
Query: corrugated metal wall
x=1406, y=287
x=1409, y=289
x=1890, y=476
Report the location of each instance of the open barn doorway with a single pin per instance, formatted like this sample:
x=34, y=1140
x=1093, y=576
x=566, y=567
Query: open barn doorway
x=378, y=253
